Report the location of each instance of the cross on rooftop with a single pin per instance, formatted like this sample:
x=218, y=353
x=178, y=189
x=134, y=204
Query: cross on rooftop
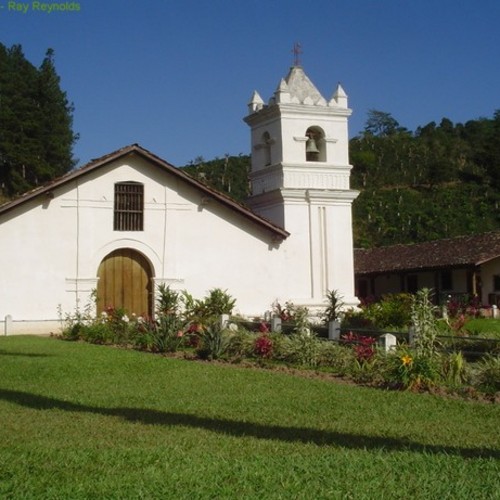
x=297, y=50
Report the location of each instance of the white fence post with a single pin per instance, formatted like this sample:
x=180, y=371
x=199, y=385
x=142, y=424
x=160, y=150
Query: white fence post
x=494, y=311
x=224, y=320
x=8, y=324
x=276, y=324
x=388, y=342
x=334, y=330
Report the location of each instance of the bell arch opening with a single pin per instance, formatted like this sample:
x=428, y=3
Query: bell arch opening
x=315, y=144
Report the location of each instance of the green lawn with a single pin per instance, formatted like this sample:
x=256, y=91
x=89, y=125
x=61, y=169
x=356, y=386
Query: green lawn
x=86, y=421
x=484, y=327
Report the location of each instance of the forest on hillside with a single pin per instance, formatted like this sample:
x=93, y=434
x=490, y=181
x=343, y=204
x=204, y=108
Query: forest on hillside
x=439, y=181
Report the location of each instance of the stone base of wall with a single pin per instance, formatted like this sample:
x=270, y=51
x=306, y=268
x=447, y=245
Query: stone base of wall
x=10, y=326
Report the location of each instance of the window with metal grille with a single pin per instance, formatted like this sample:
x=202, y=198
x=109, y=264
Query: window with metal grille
x=129, y=207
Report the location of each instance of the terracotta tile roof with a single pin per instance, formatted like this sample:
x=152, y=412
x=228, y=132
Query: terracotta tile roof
x=207, y=191
x=462, y=251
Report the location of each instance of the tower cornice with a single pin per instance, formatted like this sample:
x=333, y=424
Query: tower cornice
x=275, y=110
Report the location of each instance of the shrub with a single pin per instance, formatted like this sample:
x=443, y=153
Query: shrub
x=411, y=370
x=488, y=373
x=362, y=345
x=168, y=301
x=370, y=371
x=217, y=303
x=393, y=311
x=300, y=349
x=72, y=324
x=337, y=358
x=354, y=319
x=454, y=369
x=201, y=311
x=214, y=341
x=241, y=344
x=113, y=326
x=165, y=333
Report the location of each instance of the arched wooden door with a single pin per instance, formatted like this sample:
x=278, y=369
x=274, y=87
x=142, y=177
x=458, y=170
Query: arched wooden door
x=125, y=282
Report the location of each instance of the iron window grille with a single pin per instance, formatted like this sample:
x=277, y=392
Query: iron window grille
x=129, y=207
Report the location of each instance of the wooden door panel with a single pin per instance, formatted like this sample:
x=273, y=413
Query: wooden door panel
x=125, y=282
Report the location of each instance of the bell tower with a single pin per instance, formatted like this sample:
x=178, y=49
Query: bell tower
x=300, y=180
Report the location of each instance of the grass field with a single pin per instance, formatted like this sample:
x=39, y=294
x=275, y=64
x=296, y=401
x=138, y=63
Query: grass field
x=484, y=327
x=86, y=421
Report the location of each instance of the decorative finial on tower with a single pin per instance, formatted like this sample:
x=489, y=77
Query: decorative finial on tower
x=297, y=50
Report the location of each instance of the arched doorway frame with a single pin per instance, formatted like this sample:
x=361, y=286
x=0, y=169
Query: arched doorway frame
x=142, y=250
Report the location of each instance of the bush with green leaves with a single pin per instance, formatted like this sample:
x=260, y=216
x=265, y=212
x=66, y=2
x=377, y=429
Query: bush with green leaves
x=216, y=303
x=298, y=349
x=241, y=344
x=168, y=301
x=455, y=371
x=411, y=369
x=112, y=326
x=488, y=373
x=336, y=358
x=165, y=333
x=391, y=312
x=214, y=340
x=370, y=371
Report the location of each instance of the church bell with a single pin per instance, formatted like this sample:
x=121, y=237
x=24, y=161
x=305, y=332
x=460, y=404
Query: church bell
x=311, y=146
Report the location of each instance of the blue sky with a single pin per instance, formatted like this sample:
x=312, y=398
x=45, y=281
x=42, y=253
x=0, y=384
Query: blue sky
x=176, y=76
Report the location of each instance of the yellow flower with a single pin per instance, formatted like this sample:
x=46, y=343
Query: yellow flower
x=406, y=360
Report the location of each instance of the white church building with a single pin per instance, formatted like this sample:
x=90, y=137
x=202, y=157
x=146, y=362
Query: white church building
x=129, y=221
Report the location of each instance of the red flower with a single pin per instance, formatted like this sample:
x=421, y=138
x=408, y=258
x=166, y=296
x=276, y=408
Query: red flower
x=263, y=346
x=362, y=345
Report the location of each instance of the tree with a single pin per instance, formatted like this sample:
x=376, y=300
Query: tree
x=19, y=130
x=380, y=123
x=56, y=121
x=36, y=136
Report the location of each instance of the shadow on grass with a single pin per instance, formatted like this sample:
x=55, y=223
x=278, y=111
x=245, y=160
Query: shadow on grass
x=24, y=354
x=246, y=429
